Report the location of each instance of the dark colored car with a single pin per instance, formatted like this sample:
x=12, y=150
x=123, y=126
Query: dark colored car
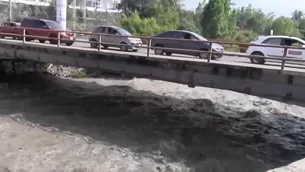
x=46, y=28
x=192, y=42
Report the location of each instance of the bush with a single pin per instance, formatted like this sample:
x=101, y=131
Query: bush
x=245, y=36
x=140, y=26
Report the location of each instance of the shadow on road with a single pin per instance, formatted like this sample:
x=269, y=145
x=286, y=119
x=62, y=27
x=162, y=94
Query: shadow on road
x=181, y=130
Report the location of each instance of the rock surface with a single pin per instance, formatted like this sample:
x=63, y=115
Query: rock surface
x=298, y=166
x=63, y=142
x=8, y=67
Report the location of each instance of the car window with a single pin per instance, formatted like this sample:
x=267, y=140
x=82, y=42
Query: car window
x=100, y=30
x=37, y=24
x=41, y=24
x=197, y=36
x=26, y=23
x=177, y=35
x=8, y=24
x=273, y=41
x=189, y=36
x=293, y=42
x=165, y=34
x=112, y=31
x=5, y=24
x=51, y=24
x=123, y=32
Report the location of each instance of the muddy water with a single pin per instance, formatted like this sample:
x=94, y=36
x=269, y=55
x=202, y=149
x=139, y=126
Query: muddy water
x=157, y=126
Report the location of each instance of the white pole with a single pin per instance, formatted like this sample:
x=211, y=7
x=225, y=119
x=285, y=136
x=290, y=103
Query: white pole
x=10, y=11
x=85, y=13
x=61, y=12
x=271, y=32
x=74, y=14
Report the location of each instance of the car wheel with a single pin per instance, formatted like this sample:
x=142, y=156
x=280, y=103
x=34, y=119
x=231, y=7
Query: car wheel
x=257, y=60
x=124, y=47
x=159, y=51
x=53, y=41
x=69, y=43
x=27, y=38
x=42, y=41
x=93, y=44
x=203, y=55
x=168, y=53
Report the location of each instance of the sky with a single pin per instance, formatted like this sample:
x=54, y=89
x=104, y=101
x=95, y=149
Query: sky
x=279, y=7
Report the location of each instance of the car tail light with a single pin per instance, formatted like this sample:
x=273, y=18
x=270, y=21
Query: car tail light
x=70, y=34
x=67, y=34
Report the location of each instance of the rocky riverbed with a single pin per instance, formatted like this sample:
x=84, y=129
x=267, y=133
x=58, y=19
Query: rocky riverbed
x=53, y=124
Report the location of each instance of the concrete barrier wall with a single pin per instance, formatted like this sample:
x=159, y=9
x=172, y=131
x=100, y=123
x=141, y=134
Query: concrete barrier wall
x=249, y=80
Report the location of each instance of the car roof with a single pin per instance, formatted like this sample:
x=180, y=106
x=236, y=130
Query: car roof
x=111, y=26
x=183, y=31
x=279, y=36
x=40, y=19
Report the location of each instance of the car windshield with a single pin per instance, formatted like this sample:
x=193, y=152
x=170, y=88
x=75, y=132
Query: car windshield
x=123, y=32
x=198, y=36
x=301, y=41
x=53, y=25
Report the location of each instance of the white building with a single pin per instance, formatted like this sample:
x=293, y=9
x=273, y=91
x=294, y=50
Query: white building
x=99, y=5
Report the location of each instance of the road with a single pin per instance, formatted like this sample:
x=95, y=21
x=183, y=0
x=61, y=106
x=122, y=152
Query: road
x=232, y=60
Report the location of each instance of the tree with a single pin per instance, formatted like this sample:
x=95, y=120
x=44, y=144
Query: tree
x=256, y=20
x=198, y=14
x=297, y=15
x=138, y=26
x=213, y=18
x=216, y=19
x=129, y=6
x=285, y=26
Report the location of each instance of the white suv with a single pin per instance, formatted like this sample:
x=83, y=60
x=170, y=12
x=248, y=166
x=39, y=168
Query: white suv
x=274, y=51
x=119, y=39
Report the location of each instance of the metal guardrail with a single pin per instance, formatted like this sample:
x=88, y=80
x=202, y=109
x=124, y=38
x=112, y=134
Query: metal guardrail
x=99, y=43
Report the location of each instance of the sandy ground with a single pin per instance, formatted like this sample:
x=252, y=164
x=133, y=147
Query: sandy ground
x=26, y=147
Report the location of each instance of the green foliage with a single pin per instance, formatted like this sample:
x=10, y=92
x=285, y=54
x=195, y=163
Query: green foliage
x=215, y=20
x=245, y=36
x=140, y=26
x=79, y=74
x=254, y=19
x=285, y=26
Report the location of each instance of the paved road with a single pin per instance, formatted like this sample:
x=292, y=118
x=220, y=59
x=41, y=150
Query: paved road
x=233, y=60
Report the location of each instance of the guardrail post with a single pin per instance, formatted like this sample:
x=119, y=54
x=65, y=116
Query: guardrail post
x=23, y=35
x=283, y=64
x=148, y=46
x=99, y=42
x=58, y=39
x=210, y=52
x=284, y=61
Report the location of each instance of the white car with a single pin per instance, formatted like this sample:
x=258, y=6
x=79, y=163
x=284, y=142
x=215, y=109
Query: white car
x=274, y=51
x=121, y=38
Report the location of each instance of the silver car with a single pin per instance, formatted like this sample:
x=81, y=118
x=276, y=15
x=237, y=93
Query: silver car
x=120, y=38
x=191, y=42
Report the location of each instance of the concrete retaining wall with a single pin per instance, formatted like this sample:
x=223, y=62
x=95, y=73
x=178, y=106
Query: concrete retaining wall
x=249, y=80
